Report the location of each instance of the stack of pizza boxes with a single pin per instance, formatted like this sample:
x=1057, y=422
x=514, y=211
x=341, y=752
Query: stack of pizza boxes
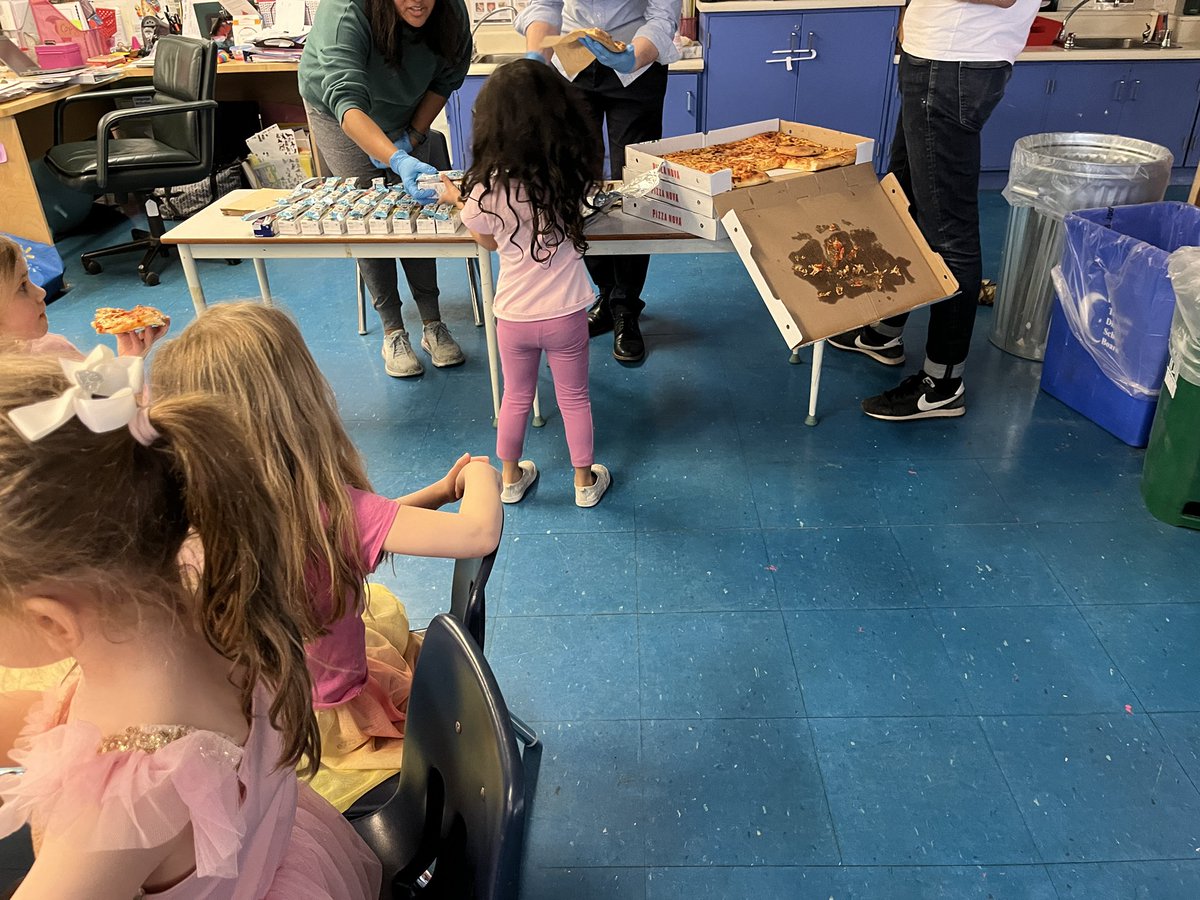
x=685, y=199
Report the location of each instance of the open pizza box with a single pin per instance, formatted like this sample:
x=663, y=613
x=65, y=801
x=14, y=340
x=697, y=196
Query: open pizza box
x=648, y=156
x=787, y=232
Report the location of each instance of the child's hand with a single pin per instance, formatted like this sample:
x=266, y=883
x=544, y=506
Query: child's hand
x=476, y=463
x=451, y=194
x=453, y=483
x=138, y=343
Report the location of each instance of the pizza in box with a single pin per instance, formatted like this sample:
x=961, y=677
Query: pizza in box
x=751, y=158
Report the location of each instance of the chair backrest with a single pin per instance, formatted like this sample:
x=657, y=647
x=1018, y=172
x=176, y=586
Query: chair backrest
x=185, y=70
x=456, y=821
x=468, y=597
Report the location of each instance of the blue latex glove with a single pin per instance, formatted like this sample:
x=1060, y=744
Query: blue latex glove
x=408, y=168
x=623, y=62
x=402, y=144
x=536, y=54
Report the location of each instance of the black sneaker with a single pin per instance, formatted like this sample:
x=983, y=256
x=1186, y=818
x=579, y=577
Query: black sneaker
x=916, y=397
x=890, y=353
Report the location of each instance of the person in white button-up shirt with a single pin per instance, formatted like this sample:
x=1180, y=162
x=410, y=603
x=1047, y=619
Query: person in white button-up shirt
x=625, y=93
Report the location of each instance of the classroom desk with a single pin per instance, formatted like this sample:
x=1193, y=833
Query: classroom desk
x=210, y=235
x=27, y=129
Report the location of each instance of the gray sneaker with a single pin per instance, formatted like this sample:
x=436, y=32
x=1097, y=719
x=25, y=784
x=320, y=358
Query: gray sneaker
x=443, y=350
x=399, y=361
x=589, y=496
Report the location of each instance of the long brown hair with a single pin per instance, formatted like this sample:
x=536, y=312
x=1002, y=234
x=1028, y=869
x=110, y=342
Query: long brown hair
x=10, y=252
x=254, y=358
x=446, y=32
x=103, y=512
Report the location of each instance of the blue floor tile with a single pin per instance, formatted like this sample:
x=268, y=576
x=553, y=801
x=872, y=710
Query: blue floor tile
x=588, y=808
x=839, y=568
x=420, y=584
x=567, y=668
x=918, y=792
x=1069, y=487
x=1155, y=649
x=584, y=884
x=717, y=666
x=1181, y=731
x=874, y=663
x=734, y=792
x=938, y=492
x=1021, y=660
x=979, y=565
x=701, y=494
x=1097, y=788
x=703, y=571
x=1142, y=561
x=851, y=883
x=569, y=574
x=1164, y=880
x=795, y=494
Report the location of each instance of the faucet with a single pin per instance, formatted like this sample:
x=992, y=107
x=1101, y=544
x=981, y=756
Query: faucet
x=1066, y=38
x=498, y=9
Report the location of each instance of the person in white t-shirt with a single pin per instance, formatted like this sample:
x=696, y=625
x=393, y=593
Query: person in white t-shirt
x=955, y=61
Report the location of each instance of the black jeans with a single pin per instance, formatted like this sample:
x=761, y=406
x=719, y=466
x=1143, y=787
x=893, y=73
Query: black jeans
x=935, y=156
x=634, y=114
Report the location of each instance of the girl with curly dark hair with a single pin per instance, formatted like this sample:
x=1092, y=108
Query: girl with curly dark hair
x=535, y=157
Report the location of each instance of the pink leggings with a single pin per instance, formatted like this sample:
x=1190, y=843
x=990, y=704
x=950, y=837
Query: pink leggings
x=565, y=341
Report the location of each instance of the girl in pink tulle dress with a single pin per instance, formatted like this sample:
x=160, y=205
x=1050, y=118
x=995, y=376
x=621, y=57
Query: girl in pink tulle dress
x=362, y=655
x=165, y=765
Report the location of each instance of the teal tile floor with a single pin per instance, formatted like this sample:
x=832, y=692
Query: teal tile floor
x=947, y=659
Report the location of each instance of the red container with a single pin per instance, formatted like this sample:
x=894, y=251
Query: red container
x=59, y=56
x=1043, y=32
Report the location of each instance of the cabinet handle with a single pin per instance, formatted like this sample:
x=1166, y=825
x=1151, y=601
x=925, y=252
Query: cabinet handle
x=1133, y=93
x=812, y=53
x=691, y=104
x=1117, y=91
x=1050, y=85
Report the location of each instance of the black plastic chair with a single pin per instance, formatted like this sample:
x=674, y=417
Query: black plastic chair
x=452, y=823
x=182, y=116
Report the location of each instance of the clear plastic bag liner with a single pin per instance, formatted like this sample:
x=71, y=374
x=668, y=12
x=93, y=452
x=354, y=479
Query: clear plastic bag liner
x=1060, y=172
x=1184, y=270
x=1114, y=288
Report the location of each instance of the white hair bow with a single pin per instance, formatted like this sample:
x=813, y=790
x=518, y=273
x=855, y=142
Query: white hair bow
x=103, y=395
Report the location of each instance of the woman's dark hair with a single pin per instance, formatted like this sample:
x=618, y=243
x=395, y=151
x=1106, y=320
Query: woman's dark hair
x=532, y=131
x=446, y=32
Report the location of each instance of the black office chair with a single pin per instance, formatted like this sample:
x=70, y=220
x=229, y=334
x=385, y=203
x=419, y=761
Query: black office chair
x=182, y=117
x=452, y=823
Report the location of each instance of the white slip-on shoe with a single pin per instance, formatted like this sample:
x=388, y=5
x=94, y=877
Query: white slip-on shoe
x=512, y=493
x=589, y=496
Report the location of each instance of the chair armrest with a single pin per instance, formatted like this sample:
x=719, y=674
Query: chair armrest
x=61, y=105
x=109, y=120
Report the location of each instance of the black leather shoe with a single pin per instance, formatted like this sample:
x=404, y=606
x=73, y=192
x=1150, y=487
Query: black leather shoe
x=600, y=319
x=628, y=346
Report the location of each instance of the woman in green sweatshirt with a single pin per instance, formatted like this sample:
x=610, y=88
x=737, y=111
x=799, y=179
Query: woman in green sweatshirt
x=374, y=75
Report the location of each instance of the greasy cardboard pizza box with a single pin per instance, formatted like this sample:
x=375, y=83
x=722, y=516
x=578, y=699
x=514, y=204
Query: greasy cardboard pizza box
x=776, y=229
x=647, y=156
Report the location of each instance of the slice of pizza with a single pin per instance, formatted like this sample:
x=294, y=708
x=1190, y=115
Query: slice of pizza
x=110, y=320
x=830, y=159
x=605, y=39
x=791, y=145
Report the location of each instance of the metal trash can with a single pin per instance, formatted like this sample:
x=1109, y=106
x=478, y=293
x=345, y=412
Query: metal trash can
x=1052, y=175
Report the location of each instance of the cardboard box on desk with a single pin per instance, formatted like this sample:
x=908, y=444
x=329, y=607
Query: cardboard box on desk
x=648, y=156
x=780, y=230
x=673, y=217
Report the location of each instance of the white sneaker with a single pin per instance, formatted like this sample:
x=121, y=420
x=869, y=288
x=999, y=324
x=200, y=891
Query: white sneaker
x=512, y=493
x=399, y=361
x=589, y=496
x=443, y=350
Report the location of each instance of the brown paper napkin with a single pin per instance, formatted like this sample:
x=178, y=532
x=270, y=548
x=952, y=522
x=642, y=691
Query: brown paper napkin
x=573, y=56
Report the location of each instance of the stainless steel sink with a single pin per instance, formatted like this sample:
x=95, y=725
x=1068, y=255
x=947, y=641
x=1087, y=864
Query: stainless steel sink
x=1114, y=43
x=498, y=58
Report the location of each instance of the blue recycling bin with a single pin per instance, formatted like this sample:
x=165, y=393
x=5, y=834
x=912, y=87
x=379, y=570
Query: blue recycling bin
x=1109, y=329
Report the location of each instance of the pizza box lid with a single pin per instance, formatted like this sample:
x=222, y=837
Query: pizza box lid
x=774, y=226
x=648, y=156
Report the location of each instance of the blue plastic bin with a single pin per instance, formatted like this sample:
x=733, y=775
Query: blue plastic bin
x=1107, y=348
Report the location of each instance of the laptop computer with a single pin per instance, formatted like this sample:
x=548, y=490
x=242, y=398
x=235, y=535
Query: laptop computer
x=14, y=57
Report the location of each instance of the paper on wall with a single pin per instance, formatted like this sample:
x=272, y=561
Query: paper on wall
x=289, y=17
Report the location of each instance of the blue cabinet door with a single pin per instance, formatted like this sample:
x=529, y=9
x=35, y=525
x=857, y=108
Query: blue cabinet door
x=844, y=87
x=1021, y=112
x=1087, y=96
x=743, y=82
x=1160, y=104
x=681, y=109
x=1193, y=154
x=458, y=113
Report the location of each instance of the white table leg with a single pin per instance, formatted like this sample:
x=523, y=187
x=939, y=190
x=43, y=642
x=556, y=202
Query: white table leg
x=814, y=385
x=264, y=286
x=487, y=295
x=193, y=277
x=362, y=300
x=538, y=419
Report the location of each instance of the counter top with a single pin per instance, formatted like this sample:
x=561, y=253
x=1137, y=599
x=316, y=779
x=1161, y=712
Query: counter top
x=684, y=65
x=715, y=6
x=1133, y=54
